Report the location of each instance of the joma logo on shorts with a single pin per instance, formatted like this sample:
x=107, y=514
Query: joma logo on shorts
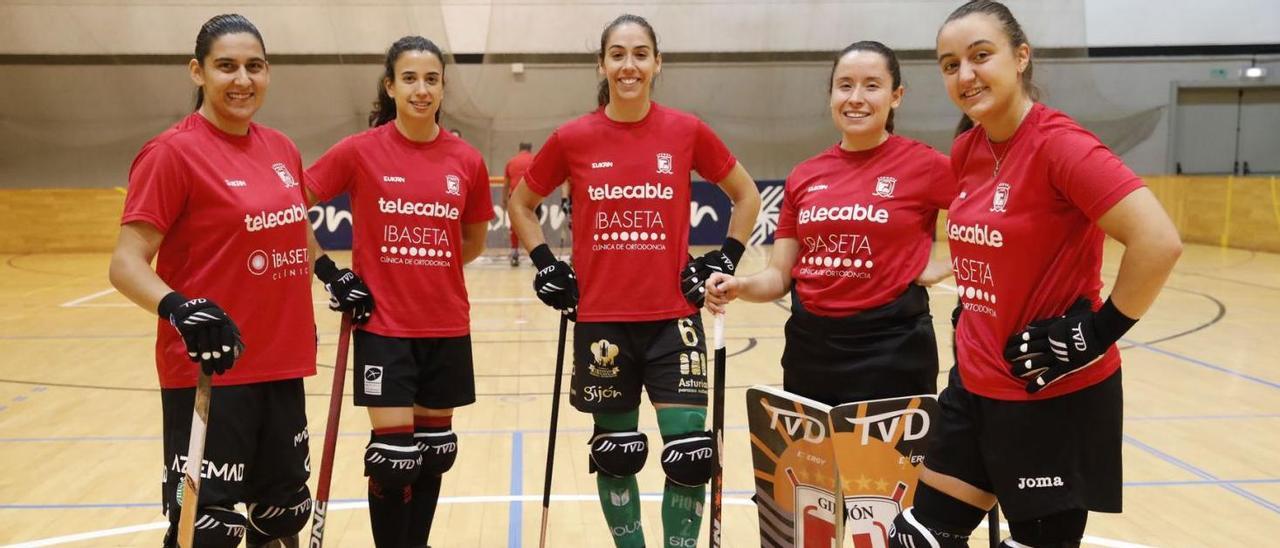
x=1043, y=481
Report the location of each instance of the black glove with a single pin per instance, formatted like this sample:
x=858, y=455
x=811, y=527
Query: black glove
x=212, y=339
x=695, y=274
x=1050, y=349
x=555, y=282
x=347, y=291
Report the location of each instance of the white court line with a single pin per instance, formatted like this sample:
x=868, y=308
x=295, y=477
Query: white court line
x=482, y=499
x=76, y=302
x=82, y=301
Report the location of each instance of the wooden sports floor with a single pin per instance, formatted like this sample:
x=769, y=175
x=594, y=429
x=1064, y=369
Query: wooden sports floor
x=80, y=414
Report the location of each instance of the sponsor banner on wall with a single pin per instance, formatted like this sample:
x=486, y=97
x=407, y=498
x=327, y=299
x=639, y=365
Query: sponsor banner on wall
x=708, y=213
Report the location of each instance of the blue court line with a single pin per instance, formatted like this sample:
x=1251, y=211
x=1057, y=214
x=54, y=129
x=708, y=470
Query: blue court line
x=1202, y=363
x=1203, y=474
x=515, y=509
x=539, y=431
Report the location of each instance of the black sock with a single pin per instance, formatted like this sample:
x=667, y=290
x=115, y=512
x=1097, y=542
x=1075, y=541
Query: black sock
x=389, y=513
x=389, y=504
x=426, y=493
x=426, y=490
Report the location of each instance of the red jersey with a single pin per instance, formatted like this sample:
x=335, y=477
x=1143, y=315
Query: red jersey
x=630, y=187
x=410, y=201
x=235, y=232
x=516, y=168
x=1024, y=245
x=864, y=221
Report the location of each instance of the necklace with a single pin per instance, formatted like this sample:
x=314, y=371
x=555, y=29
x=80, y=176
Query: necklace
x=996, y=172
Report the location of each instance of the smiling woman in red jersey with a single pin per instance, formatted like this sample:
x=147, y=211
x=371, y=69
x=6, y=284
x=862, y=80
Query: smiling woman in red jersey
x=217, y=196
x=628, y=165
x=852, y=247
x=421, y=197
x=1032, y=413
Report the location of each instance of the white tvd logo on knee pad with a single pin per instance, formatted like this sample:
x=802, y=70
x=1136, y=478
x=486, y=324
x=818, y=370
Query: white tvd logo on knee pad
x=373, y=380
x=1040, y=482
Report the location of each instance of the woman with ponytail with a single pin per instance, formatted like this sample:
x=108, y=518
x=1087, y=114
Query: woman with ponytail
x=421, y=199
x=860, y=326
x=208, y=196
x=628, y=166
x=1033, y=412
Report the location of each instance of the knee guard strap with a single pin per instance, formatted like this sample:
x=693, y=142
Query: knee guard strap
x=392, y=460
x=278, y=521
x=1060, y=530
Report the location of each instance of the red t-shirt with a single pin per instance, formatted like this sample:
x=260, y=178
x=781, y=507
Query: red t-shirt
x=631, y=191
x=1025, y=246
x=410, y=201
x=516, y=167
x=235, y=232
x=864, y=221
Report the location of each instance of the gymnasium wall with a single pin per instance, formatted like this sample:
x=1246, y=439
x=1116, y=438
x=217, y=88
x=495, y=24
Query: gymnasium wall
x=1240, y=212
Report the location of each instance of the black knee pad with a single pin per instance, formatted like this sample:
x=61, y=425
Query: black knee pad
x=392, y=460
x=689, y=459
x=618, y=454
x=218, y=527
x=1060, y=530
x=283, y=520
x=907, y=532
x=439, y=451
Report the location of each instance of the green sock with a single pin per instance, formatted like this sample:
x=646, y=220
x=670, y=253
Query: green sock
x=682, y=506
x=620, y=497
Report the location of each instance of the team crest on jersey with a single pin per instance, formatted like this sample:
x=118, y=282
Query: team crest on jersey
x=603, y=353
x=1001, y=198
x=664, y=163
x=884, y=186
x=452, y=185
x=285, y=176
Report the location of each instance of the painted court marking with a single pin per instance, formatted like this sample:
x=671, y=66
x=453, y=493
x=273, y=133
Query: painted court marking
x=359, y=505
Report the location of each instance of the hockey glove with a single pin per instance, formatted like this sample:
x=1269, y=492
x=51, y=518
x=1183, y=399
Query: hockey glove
x=555, y=282
x=212, y=339
x=693, y=278
x=347, y=291
x=1050, y=349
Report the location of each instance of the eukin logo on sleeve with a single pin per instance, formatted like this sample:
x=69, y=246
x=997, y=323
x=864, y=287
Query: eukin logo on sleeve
x=649, y=191
x=855, y=212
x=271, y=219
x=422, y=209
x=977, y=234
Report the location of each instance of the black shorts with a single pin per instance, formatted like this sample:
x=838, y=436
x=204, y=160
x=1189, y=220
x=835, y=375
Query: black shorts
x=884, y=352
x=435, y=373
x=613, y=360
x=256, y=444
x=1038, y=457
